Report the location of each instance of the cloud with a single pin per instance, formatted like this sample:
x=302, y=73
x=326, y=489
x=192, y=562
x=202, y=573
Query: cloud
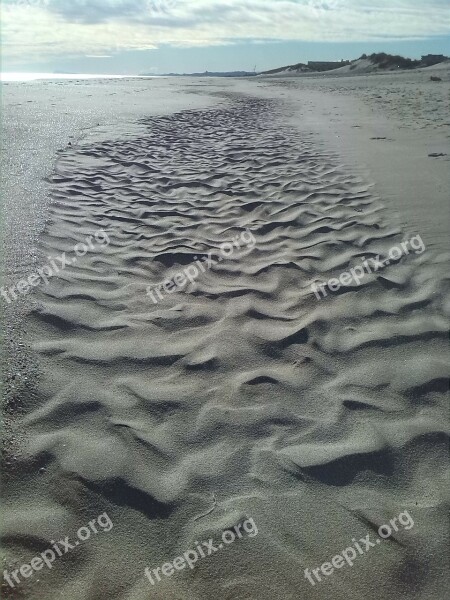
x=45, y=28
x=93, y=11
x=102, y=11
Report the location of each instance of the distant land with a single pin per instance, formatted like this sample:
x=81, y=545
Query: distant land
x=207, y=74
x=364, y=64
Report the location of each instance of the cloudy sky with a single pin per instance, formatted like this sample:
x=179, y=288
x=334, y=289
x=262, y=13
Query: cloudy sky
x=157, y=36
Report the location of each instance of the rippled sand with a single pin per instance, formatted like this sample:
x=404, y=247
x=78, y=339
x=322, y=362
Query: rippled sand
x=241, y=395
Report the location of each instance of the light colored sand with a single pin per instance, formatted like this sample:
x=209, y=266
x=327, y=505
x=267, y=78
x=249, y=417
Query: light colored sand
x=389, y=125
x=242, y=396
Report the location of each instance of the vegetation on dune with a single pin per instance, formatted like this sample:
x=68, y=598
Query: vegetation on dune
x=389, y=61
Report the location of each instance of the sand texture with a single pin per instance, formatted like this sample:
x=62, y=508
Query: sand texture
x=240, y=395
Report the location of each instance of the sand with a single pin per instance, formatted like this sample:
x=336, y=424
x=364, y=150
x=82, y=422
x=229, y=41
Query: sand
x=240, y=396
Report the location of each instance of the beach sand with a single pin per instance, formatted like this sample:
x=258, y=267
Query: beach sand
x=239, y=396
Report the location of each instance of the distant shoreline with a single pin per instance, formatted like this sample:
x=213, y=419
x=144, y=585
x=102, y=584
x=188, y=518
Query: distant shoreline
x=16, y=76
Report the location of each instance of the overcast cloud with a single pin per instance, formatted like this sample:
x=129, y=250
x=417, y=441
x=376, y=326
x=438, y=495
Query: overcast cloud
x=42, y=28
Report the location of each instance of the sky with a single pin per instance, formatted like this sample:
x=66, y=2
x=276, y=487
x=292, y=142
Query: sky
x=132, y=37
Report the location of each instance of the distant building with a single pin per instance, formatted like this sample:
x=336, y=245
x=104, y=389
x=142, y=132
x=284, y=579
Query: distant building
x=327, y=66
x=433, y=59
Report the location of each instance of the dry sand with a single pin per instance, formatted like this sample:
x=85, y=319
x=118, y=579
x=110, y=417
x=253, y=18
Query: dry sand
x=242, y=396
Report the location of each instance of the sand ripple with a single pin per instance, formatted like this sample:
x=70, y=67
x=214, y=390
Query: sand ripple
x=303, y=414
